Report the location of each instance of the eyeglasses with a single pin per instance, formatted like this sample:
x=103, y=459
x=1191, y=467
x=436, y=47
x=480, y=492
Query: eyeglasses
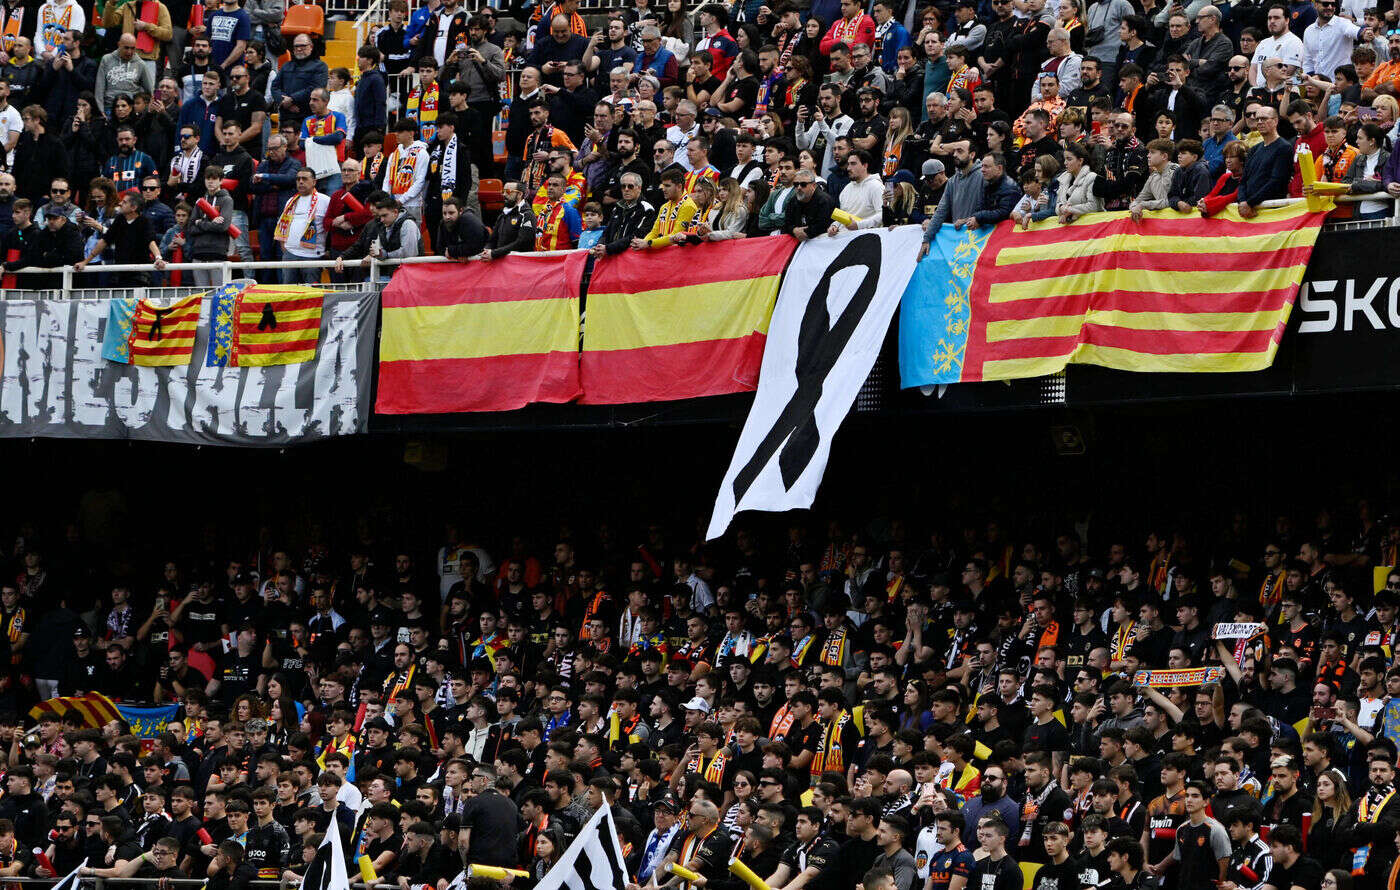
x=238, y=76
x=92, y=823
x=58, y=191
x=1239, y=67
x=150, y=188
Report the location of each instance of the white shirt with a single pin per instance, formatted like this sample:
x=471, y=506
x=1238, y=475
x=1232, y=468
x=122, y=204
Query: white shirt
x=13, y=125
x=440, y=41
x=865, y=200
x=1329, y=46
x=680, y=138
x=344, y=102
x=1287, y=47
x=56, y=18
x=926, y=847
x=1371, y=170
x=302, y=216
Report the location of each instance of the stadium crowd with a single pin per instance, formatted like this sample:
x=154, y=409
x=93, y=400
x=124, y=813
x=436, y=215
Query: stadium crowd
x=879, y=708
x=665, y=125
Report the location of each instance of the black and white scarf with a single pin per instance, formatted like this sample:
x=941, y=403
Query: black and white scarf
x=449, y=165
x=187, y=165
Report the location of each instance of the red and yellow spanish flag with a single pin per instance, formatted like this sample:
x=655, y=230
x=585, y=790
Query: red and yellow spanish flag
x=1172, y=293
x=96, y=709
x=681, y=322
x=276, y=325
x=481, y=336
x=163, y=336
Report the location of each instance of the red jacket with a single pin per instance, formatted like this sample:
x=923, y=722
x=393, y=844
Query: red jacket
x=864, y=33
x=340, y=240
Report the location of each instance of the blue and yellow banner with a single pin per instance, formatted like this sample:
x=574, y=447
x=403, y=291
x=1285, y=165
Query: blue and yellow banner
x=147, y=723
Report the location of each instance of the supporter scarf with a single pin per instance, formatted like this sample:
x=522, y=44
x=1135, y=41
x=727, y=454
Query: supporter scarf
x=786, y=45
x=1236, y=630
x=894, y=587
x=1122, y=638
x=284, y=222
x=1157, y=572
x=187, y=165
x=689, y=847
x=846, y=30
x=1031, y=808
x=765, y=92
x=782, y=723
x=834, y=649
x=1271, y=591
x=695, y=176
x=712, y=771
x=600, y=598
x=375, y=163
x=401, y=168
x=52, y=26
x=829, y=754
x=1171, y=679
x=1390, y=552
x=423, y=107
x=735, y=644
x=760, y=648
x=548, y=225
x=1050, y=636
x=881, y=32
x=449, y=166
x=399, y=682
x=1367, y=812
x=668, y=217
x=799, y=650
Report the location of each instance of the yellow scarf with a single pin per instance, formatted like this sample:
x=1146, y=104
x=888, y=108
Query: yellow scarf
x=284, y=222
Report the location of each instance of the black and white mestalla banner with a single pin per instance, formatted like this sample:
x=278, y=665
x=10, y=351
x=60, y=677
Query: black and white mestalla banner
x=834, y=307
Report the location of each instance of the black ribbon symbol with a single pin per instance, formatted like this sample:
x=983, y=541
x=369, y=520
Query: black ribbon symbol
x=154, y=333
x=819, y=346
x=268, y=322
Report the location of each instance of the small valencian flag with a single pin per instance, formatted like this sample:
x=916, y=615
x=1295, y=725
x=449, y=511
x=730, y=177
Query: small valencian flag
x=221, y=314
x=141, y=332
x=276, y=325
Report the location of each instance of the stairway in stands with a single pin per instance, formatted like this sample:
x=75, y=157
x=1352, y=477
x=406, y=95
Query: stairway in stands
x=340, y=45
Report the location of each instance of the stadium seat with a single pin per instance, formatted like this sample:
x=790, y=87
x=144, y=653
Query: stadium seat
x=304, y=18
x=490, y=192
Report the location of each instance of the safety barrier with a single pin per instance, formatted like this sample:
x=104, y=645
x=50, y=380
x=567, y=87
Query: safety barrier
x=263, y=884
x=378, y=267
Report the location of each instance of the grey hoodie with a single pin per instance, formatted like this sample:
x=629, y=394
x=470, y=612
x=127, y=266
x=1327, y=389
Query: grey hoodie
x=962, y=197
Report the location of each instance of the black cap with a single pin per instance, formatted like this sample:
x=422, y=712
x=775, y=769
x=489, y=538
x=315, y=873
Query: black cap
x=380, y=617
x=243, y=578
x=379, y=723
x=82, y=630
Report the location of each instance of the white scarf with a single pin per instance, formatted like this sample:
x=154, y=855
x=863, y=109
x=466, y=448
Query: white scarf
x=187, y=165
x=449, y=165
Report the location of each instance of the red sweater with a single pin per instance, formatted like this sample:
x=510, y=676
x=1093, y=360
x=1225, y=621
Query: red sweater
x=340, y=239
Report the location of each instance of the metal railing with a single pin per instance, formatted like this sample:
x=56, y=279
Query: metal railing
x=99, y=882
x=378, y=266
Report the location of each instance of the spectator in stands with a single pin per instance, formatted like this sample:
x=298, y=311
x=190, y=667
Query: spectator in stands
x=1192, y=180
x=203, y=112
x=324, y=132
x=291, y=88
x=272, y=184
x=515, y=227
x=39, y=156
x=301, y=228
x=206, y=237
x=1267, y=167
x=371, y=92
x=461, y=235
x=59, y=244
x=1156, y=188
x=244, y=107
x=132, y=241
x=187, y=166
x=392, y=234
x=21, y=240
x=135, y=20
x=393, y=41
x=863, y=198
x=121, y=73
x=553, y=53
x=1077, y=195
x=656, y=59
x=406, y=168
x=70, y=74
x=24, y=73
x=809, y=212
x=1366, y=171
x=449, y=170
x=153, y=208
x=129, y=165
x=238, y=167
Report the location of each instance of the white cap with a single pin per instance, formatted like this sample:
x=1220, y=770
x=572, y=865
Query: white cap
x=697, y=704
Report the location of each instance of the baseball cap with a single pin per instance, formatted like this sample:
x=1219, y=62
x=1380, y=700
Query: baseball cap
x=933, y=167
x=711, y=111
x=380, y=617
x=82, y=630
x=379, y=723
x=697, y=704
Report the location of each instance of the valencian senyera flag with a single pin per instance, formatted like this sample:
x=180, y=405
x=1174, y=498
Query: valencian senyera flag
x=680, y=323
x=143, y=332
x=253, y=324
x=96, y=709
x=1171, y=293
x=481, y=336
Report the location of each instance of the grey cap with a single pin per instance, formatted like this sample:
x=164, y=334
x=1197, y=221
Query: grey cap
x=933, y=167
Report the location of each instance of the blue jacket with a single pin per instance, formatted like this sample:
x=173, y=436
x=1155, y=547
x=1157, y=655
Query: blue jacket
x=371, y=102
x=201, y=114
x=297, y=80
x=275, y=188
x=896, y=40
x=998, y=200
x=976, y=808
x=1267, y=171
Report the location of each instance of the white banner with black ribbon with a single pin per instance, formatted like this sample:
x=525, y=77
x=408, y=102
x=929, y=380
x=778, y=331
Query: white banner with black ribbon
x=834, y=307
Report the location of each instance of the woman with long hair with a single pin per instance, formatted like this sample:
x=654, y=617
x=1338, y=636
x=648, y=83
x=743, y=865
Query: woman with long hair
x=1331, y=818
x=1337, y=879
x=283, y=717
x=797, y=89
x=755, y=195
x=89, y=141
x=730, y=218
x=900, y=128
x=1067, y=17
x=900, y=198
x=745, y=791
x=915, y=713
x=549, y=846
x=677, y=25
x=99, y=213
x=247, y=706
x=809, y=47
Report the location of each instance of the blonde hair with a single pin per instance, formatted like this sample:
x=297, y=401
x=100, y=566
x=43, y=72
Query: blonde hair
x=1341, y=800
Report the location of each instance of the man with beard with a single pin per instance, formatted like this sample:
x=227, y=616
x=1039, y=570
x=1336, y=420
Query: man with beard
x=962, y=196
x=129, y=165
x=1125, y=161
x=1091, y=85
